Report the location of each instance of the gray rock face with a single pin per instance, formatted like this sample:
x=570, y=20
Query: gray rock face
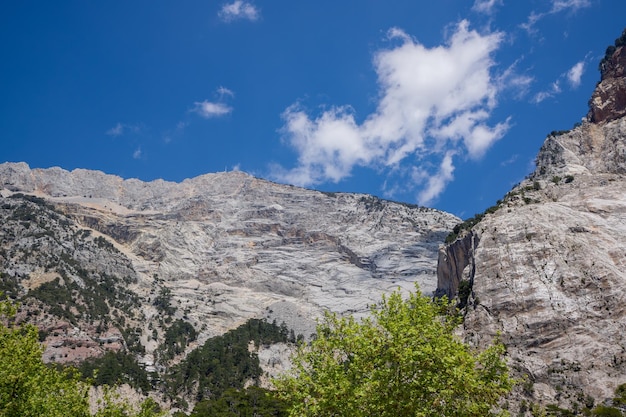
x=550, y=277
x=548, y=268
x=230, y=247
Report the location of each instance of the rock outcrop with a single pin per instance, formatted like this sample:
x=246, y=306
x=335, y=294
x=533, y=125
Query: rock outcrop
x=455, y=265
x=549, y=271
x=608, y=101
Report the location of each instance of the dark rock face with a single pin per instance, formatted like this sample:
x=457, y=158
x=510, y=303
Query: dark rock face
x=608, y=101
x=456, y=264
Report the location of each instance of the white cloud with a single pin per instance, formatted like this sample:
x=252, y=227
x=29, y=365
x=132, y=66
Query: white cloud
x=437, y=183
x=574, y=75
x=137, y=154
x=238, y=9
x=533, y=18
x=208, y=109
x=509, y=161
x=569, y=5
x=485, y=6
x=116, y=131
x=223, y=91
x=557, y=7
x=554, y=89
x=433, y=103
x=510, y=79
x=120, y=128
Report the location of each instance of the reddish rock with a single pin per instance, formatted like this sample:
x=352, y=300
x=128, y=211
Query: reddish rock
x=608, y=101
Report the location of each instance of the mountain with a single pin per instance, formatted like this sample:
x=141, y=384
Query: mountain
x=101, y=263
x=151, y=271
x=546, y=267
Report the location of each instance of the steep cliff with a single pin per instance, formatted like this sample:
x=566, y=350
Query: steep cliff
x=548, y=271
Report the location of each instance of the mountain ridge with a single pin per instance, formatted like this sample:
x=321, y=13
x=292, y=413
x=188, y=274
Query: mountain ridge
x=211, y=252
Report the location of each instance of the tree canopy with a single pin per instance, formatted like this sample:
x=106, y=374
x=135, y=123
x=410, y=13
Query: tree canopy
x=402, y=361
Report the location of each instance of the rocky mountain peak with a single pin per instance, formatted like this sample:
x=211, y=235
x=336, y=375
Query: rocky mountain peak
x=608, y=101
x=596, y=145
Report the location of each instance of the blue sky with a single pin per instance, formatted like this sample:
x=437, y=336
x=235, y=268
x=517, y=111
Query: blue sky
x=441, y=103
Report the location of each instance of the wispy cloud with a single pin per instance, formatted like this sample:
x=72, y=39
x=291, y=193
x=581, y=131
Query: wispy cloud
x=509, y=161
x=569, y=5
x=555, y=88
x=121, y=128
x=574, y=75
x=434, y=103
x=558, y=6
x=237, y=10
x=486, y=6
x=116, y=131
x=223, y=91
x=175, y=133
x=137, y=154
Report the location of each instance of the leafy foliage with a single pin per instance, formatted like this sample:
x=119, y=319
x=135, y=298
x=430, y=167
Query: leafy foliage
x=89, y=301
x=620, y=395
x=27, y=386
x=403, y=361
x=8, y=285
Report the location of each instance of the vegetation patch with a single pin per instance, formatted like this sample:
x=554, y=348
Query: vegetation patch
x=177, y=338
x=467, y=224
x=223, y=362
x=116, y=368
x=249, y=402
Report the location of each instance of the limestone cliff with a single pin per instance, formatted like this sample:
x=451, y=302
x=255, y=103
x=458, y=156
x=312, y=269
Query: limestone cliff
x=549, y=269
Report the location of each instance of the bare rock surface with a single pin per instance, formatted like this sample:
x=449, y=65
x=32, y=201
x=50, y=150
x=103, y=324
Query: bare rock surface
x=547, y=269
x=225, y=247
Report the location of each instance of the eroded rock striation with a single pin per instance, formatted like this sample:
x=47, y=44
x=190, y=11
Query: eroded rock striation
x=548, y=270
x=212, y=251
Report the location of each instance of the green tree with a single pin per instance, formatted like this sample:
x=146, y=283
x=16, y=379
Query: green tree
x=250, y=402
x=402, y=361
x=27, y=386
x=30, y=388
